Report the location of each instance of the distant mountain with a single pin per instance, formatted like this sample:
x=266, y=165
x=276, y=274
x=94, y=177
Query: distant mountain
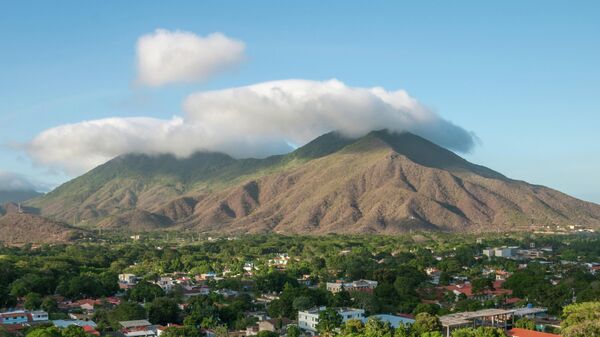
x=379, y=183
x=17, y=195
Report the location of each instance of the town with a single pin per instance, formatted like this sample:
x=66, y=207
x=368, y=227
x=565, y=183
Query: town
x=269, y=285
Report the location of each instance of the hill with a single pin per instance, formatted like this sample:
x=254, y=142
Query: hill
x=21, y=228
x=379, y=183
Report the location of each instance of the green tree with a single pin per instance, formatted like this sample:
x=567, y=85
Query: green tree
x=425, y=322
x=293, y=331
x=32, y=301
x=45, y=332
x=126, y=311
x=144, y=292
x=186, y=331
x=329, y=320
x=74, y=331
x=377, y=328
x=581, y=320
x=525, y=323
x=49, y=304
x=163, y=310
x=266, y=333
x=352, y=327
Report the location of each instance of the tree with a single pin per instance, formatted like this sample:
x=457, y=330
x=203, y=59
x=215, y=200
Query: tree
x=163, y=310
x=352, y=327
x=49, y=304
x=32, y=301
x=145, y=292
x=266, y=333
x=293, y=331
x=525, y=323
x=186, y=331
x=126, y=311
x=329, y=320
x=342, y=299
x=221, y=331
x=425, y=322
x=426, y=307
x=377, y=328
x=479, y=332
x=74, y=331
x=581, y=320
x=45, y=332
x=431, y=334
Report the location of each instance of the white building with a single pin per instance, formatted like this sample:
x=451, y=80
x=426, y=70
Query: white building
x=360, y=285
x=308, y=319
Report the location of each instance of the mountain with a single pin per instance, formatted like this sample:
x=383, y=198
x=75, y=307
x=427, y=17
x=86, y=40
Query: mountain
x=18, y=227
x=17, y=195
x=380, y=183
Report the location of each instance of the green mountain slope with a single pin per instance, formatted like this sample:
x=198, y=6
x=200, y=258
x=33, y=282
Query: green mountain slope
x=381, y=182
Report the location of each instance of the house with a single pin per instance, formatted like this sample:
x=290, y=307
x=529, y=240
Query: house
x=274, y=325
x=64, y=323
x=308, y=319
x=138, y=328
x=127, y=281
x=434, y=275
x=467, y=290
x=39, y=316
x=14, y=317
x=90, y=330
x=360, y=285
x=280, y=261
x=517, y=332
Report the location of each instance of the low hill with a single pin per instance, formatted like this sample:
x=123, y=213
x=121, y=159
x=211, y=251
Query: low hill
x=379, y=183
x=21, y=228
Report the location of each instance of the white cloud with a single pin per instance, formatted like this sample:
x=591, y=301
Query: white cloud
x=165, y=56
x=10, y=181
x=251, y=121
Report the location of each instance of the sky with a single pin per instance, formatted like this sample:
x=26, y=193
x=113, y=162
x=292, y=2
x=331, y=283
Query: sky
x=512, y=85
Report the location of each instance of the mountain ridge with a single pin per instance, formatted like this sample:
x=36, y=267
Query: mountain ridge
x=380, y=183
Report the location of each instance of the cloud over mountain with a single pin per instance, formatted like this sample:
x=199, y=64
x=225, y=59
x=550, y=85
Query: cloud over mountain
x=165, y=56
x=10, y=181
x=251, y=121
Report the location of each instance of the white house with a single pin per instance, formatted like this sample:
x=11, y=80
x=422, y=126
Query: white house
x=308, y=319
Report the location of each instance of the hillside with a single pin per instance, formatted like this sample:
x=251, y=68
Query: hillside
x=380, y=183
x=21, y=228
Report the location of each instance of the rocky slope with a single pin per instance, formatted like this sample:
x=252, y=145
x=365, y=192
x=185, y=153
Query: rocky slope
x=380, y=183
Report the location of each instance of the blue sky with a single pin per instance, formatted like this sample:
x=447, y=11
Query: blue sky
x=524, y=76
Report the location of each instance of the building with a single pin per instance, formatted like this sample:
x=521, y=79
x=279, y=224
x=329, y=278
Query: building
x=138, y=328
x=505, y=252
x=360, y=285
x=39, y=316
x=14, y=317
x=498, y=318
x=517, y=332
x=280, y=261
x=308, y=319
x=467, y=290
x=64, y=323
x=127, y=281
x=434, y=275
